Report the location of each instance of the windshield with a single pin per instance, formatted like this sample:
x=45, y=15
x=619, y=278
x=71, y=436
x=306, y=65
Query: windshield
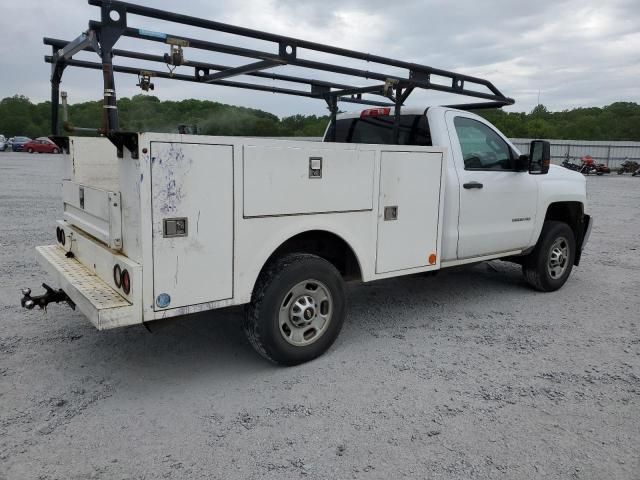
x=379, y=130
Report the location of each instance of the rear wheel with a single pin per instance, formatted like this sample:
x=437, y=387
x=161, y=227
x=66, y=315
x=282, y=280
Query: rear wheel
x=55, y=150
x=548, y=267
x=297, y=309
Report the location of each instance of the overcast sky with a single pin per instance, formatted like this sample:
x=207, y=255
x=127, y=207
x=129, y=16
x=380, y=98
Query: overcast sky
x=572, y=52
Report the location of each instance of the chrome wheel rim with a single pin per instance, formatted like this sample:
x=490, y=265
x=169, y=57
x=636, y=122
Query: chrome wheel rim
x=305, y=313
x=558, y=258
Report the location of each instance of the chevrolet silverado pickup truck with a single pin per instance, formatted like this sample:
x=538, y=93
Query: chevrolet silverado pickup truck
x=161, y=225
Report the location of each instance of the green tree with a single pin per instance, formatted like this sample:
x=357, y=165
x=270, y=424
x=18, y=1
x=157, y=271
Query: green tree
x=19, y=116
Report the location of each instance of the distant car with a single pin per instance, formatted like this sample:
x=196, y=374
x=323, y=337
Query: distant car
x=40, y=145
x=3, y=143
x=18, y=143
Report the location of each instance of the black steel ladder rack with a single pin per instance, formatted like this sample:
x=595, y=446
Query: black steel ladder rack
x=387, y=90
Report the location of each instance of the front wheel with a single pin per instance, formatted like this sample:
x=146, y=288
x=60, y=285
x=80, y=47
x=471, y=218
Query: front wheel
x=297, y=309
x=30, y=150
x=548, y=267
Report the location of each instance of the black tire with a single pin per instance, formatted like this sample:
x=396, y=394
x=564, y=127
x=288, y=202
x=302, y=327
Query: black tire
x=262, y=321
x=30, y=150
x=55, y=150
x=536, y=267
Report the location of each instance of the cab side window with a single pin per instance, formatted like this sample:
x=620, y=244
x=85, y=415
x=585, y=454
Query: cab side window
x=482, y=148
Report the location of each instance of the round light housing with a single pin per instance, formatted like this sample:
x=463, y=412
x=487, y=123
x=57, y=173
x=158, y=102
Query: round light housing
x=117, y=275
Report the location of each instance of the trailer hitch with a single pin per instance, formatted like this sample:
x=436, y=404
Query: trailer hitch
x=50, y=296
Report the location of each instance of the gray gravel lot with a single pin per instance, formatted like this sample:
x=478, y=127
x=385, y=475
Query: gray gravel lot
x=469, y=374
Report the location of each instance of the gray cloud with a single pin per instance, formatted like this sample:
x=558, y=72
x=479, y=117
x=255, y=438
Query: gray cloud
x=574, y=52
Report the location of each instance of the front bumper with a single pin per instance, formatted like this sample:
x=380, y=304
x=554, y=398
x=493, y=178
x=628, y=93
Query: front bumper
x=102, y=305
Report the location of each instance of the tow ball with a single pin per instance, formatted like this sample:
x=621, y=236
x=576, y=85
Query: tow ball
x=50, y=296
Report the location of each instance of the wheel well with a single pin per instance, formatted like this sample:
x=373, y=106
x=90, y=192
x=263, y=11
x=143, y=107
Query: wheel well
x=571, y=213
x=567, y=212
x=326, y=245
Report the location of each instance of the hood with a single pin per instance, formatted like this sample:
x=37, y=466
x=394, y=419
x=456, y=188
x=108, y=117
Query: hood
x=559, y=172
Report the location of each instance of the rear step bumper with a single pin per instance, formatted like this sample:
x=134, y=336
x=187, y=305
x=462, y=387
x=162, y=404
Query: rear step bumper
x=102, y=305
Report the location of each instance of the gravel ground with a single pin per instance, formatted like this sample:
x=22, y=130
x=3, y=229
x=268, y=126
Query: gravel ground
x=469, y=374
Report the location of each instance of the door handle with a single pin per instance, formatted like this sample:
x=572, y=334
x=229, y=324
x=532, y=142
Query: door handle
x=390, y=213
x=471, y=185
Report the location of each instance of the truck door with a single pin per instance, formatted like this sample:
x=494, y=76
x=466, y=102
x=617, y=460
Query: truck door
x=497, y=203
x=192, y=202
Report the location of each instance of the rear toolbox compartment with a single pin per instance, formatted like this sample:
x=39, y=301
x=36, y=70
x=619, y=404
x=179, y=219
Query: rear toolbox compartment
x=89, y=261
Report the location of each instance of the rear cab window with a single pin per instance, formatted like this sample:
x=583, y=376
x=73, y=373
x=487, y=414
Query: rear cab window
x=414, y=130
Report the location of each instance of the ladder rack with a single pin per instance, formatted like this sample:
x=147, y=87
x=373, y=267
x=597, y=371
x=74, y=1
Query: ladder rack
x=387, y=89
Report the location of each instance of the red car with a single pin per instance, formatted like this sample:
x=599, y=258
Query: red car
x=41, y=145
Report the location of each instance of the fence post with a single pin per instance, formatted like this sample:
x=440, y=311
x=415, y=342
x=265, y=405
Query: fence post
x=608, y=155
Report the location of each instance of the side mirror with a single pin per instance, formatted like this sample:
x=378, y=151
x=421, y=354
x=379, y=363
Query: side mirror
x=539, y=157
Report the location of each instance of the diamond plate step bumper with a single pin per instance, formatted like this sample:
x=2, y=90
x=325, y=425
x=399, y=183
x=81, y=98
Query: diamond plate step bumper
x=104, y=307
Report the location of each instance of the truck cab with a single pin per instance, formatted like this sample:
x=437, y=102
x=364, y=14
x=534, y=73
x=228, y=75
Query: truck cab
x=495, y=204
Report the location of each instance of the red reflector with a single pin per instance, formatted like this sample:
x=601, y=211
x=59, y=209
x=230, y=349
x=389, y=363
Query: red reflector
x=375, y=112
x=126, y=282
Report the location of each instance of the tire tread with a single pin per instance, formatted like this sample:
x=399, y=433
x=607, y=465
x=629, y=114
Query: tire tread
x=531, y=267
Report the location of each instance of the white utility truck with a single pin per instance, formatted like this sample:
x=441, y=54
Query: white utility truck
x=160, y=225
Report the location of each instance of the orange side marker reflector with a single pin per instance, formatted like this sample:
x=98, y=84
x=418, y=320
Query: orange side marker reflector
x=432, y=259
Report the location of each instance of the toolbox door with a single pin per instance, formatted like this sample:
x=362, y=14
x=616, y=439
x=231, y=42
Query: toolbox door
x=95, y=211
x=192, y=203
x=409, y=210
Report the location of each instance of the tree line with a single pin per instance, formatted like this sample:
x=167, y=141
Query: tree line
x=20, y=116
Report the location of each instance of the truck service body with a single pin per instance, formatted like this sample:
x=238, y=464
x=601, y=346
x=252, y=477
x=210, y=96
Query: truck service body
x=161, y=225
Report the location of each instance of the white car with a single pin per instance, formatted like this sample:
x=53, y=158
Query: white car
x=3, y=143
